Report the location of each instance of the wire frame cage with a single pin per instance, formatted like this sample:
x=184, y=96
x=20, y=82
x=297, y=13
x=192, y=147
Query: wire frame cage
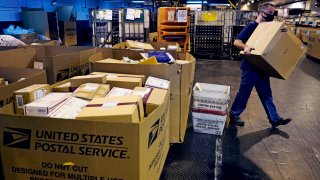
x=105, y=27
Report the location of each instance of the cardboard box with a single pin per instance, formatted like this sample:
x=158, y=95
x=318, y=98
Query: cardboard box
x=156, y=45
x=60, y=62
x=138, y=45
x=157, y=83
x=126, y=81
x=68, y=32
x=79, y=80
x=208, y=123
x=277, y=50
x=153, y=37
x=143, y=77
x=180, y=75
x=314, y=46
x=108, y=60
x=32, y=76
x=28, y=95
x=45, y=105
x=98, y=149
x=92, y=90
x=62, y=86
x=115, y=92
x=69, y=109
x=125, y=109
x=2, y=82
x=212, y=93
x=152, y=97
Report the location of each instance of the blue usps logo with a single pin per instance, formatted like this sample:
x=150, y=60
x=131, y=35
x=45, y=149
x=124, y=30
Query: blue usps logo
x=17, y=138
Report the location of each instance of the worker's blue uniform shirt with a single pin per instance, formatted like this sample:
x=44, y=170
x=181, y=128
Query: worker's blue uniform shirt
x=244, y=37
x=252, y=77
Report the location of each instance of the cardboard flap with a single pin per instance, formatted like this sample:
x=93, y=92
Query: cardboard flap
x=19, y=58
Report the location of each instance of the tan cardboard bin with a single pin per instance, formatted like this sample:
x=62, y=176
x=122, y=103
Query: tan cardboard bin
x=180, y=74
x=84, y=149
x=60, y=62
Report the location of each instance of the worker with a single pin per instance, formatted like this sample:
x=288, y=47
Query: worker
x=252, y=77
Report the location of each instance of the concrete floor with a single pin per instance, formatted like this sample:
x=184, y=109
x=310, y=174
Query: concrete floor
x=255, y=151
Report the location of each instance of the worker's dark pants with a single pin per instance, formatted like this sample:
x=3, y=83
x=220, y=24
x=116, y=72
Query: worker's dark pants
x=253, y=78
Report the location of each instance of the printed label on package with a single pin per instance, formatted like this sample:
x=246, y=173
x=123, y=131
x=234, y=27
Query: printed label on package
x=19, y=101
x=39, y=93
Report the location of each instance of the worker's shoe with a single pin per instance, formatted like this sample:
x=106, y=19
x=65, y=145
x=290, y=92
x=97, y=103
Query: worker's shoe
x=281, y=121
x=237, y=121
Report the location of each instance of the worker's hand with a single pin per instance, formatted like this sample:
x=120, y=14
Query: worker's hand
x=247, y=50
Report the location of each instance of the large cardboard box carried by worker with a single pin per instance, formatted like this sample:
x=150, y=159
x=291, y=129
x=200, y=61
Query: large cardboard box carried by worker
x=180, y=74
x=84, y=149
x=60, y=62
x=18, y=78
x=277, y=50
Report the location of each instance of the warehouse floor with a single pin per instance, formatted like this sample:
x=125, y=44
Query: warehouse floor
x=255, y=151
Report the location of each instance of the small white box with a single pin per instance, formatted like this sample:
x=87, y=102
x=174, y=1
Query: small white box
x=69, y=109
x=157, y=83
x=211, y=93
x=208, y=123
x=45, y=105
x=116, y=92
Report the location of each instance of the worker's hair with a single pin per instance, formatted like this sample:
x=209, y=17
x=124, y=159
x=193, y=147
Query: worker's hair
x=264, y=6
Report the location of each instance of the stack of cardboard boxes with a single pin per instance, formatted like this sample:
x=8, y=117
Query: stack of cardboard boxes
x=210, y=105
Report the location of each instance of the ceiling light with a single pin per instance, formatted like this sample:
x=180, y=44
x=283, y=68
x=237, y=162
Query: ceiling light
x=252, y=1
x=248, y=3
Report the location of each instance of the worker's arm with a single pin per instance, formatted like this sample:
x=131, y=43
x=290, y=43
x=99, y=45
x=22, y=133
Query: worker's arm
x=239, y=44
